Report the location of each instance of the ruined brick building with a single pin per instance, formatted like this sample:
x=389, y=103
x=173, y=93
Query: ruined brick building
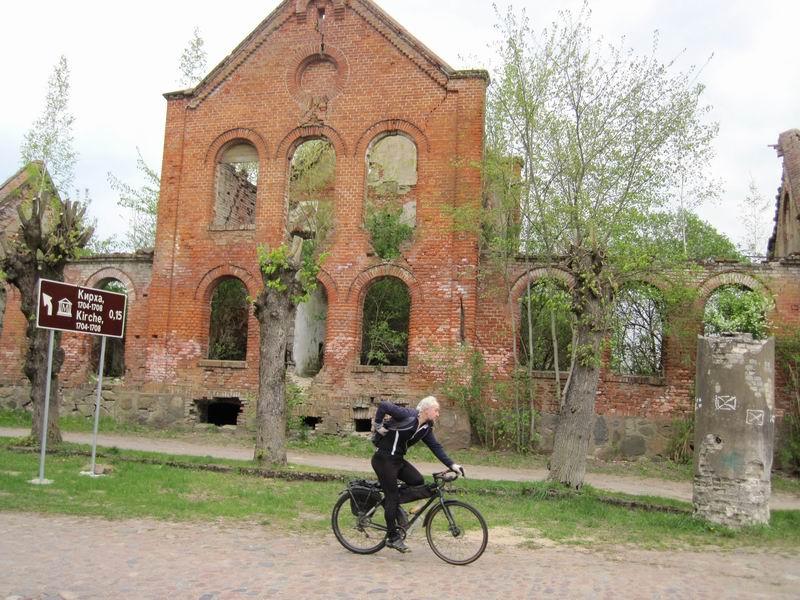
x=342, y=82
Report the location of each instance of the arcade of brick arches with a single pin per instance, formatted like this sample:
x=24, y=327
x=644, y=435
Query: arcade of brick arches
x=394, y=116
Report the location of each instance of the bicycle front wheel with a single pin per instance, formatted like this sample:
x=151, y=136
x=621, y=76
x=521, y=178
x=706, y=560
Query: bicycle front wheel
x=356, y=533
x=456, y=532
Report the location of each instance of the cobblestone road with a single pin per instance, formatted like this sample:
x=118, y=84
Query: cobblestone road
x=71, y=558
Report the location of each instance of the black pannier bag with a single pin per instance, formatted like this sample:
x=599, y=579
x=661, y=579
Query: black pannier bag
x=364, y=495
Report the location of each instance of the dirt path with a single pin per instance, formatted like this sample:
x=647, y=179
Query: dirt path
x=638, y=486
x=81, y=558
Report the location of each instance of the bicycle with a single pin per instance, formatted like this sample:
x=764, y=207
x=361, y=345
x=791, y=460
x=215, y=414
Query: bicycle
x=456, y=532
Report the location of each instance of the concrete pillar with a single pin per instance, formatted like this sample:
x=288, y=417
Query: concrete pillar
x=734, y=429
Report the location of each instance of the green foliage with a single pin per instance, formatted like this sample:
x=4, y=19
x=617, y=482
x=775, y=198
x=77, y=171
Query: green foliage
x=548, y=300
x=50, y=139
x=228, y=323
x=700, y=242
x=295, y=398
x=735, y=309
x=193, y=61
x=680, y=446
x=143, y=204
x=386, y=230
x=311, y=187
x=788, y=355
x=638, y=331
x=387, y=309
x=275, y=264
x=497, y=419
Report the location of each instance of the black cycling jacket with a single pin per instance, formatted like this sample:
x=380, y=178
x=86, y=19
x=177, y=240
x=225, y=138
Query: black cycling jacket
x=405, y=431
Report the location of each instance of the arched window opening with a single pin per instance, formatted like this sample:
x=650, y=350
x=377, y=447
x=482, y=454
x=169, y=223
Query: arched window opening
x=114, y=363
x=737, y=309
x=637, y=339
x=236, y=185
x=308, y=345
x=312, y=182
x=549, y=305
x=391, y=205
x=227, y=338
x=387, y=312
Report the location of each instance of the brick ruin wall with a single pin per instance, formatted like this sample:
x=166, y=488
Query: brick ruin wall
x=365, y=82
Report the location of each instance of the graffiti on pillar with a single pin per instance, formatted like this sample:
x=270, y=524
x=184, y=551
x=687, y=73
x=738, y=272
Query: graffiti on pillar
x=755, y=417
x=725, y=402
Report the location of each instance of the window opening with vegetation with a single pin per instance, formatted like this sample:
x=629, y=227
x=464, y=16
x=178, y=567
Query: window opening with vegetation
x=637, y=338
x=236, y=186
x=114, y=363
x=312, y=180
x=391, y=205
x=387, y=312
x=737, y=309
x=229, y=315
x=549, y=315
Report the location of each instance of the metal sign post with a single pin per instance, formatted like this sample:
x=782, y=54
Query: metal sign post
x=91, y=471
x=45, y=418
x=66, y=307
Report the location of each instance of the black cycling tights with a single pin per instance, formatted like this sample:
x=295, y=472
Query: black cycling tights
x=389, y=470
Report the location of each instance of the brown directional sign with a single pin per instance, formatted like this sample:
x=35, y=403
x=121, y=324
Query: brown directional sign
x=68, y=307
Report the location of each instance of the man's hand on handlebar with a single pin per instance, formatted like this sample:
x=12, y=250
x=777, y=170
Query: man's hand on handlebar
x=458, y=469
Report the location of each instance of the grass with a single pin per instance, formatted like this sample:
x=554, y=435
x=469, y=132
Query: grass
x=159, y=491
x=358, y=446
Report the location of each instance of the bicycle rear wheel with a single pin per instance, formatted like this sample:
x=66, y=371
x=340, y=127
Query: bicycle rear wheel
x=457, y=532
x=356, y=533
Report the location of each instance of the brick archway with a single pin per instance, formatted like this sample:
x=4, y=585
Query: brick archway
x=360, y=284
x=206, y=286
x=729, y=278
x=388, y=126
x=331, y=290
x=521, y=284
x=300, y=134
x=112, y=273
x=241, y=133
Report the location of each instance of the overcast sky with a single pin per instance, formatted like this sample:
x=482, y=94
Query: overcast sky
x=123, y=56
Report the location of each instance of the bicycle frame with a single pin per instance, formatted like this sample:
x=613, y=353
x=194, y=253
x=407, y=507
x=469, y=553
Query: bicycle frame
x=437, y=497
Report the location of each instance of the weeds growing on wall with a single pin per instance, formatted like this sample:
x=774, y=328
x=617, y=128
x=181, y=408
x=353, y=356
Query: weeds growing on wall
x=680, y=447
x=387, y=230
x=497, y=421
x=788, y=354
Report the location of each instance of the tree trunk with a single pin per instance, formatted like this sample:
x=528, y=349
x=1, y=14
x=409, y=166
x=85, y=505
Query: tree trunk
x=35, y=366
x=590, y=297
x=2, y=306
x=275, y=317
x=575, y=419
x=275, y=311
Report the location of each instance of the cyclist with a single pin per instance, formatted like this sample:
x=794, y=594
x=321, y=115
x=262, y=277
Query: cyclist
x=405, y=428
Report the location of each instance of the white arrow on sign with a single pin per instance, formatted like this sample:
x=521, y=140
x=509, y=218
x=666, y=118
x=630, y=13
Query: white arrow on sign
x=48, y=302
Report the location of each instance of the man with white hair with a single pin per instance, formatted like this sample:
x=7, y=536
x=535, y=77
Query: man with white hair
x=393, y=437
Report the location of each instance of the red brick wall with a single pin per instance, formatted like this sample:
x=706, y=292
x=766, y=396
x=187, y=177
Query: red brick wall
x=381, y=84
x=628, y=395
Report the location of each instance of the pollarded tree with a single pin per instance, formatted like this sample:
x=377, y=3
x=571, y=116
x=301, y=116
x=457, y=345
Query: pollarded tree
x=601, y=133
x=289, y=273
x=51, y=233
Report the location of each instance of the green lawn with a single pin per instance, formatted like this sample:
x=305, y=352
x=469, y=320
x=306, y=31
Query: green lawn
x=167, y=492
x=358, y=446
